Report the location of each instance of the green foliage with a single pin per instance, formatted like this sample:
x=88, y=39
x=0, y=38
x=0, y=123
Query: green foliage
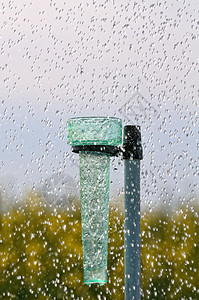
x=170, y=248
x=41, y=254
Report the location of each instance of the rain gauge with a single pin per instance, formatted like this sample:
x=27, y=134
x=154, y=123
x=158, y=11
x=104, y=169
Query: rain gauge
x=96, y=139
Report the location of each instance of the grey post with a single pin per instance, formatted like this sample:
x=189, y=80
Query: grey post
x=132, y=245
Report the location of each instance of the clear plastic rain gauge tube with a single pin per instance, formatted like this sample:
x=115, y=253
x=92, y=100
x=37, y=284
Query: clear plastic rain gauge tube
x=95, y=139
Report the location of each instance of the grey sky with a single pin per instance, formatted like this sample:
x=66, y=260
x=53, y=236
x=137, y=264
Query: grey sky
x=65, y=59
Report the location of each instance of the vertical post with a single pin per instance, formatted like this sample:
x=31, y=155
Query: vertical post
x=132, y=243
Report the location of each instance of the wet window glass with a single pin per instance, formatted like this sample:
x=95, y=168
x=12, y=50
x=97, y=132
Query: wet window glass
x=131, y=61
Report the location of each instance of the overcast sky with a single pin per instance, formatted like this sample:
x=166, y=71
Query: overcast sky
x=134, y=60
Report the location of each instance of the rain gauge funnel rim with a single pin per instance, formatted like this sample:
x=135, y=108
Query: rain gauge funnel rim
x=96, y=131
x=94, y=138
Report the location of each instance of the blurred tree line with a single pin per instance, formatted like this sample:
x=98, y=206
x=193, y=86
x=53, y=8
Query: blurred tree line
x=41, y=254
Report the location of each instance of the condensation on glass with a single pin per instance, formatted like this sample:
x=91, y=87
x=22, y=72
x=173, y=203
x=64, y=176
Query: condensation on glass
x=134, y=61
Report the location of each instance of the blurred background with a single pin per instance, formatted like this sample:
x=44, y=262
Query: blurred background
x=136, y=61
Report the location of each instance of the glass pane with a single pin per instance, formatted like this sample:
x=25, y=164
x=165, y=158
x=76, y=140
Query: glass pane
x=134, y=61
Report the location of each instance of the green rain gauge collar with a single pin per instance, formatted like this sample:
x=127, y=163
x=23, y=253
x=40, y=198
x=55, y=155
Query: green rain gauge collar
x=95, y=139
